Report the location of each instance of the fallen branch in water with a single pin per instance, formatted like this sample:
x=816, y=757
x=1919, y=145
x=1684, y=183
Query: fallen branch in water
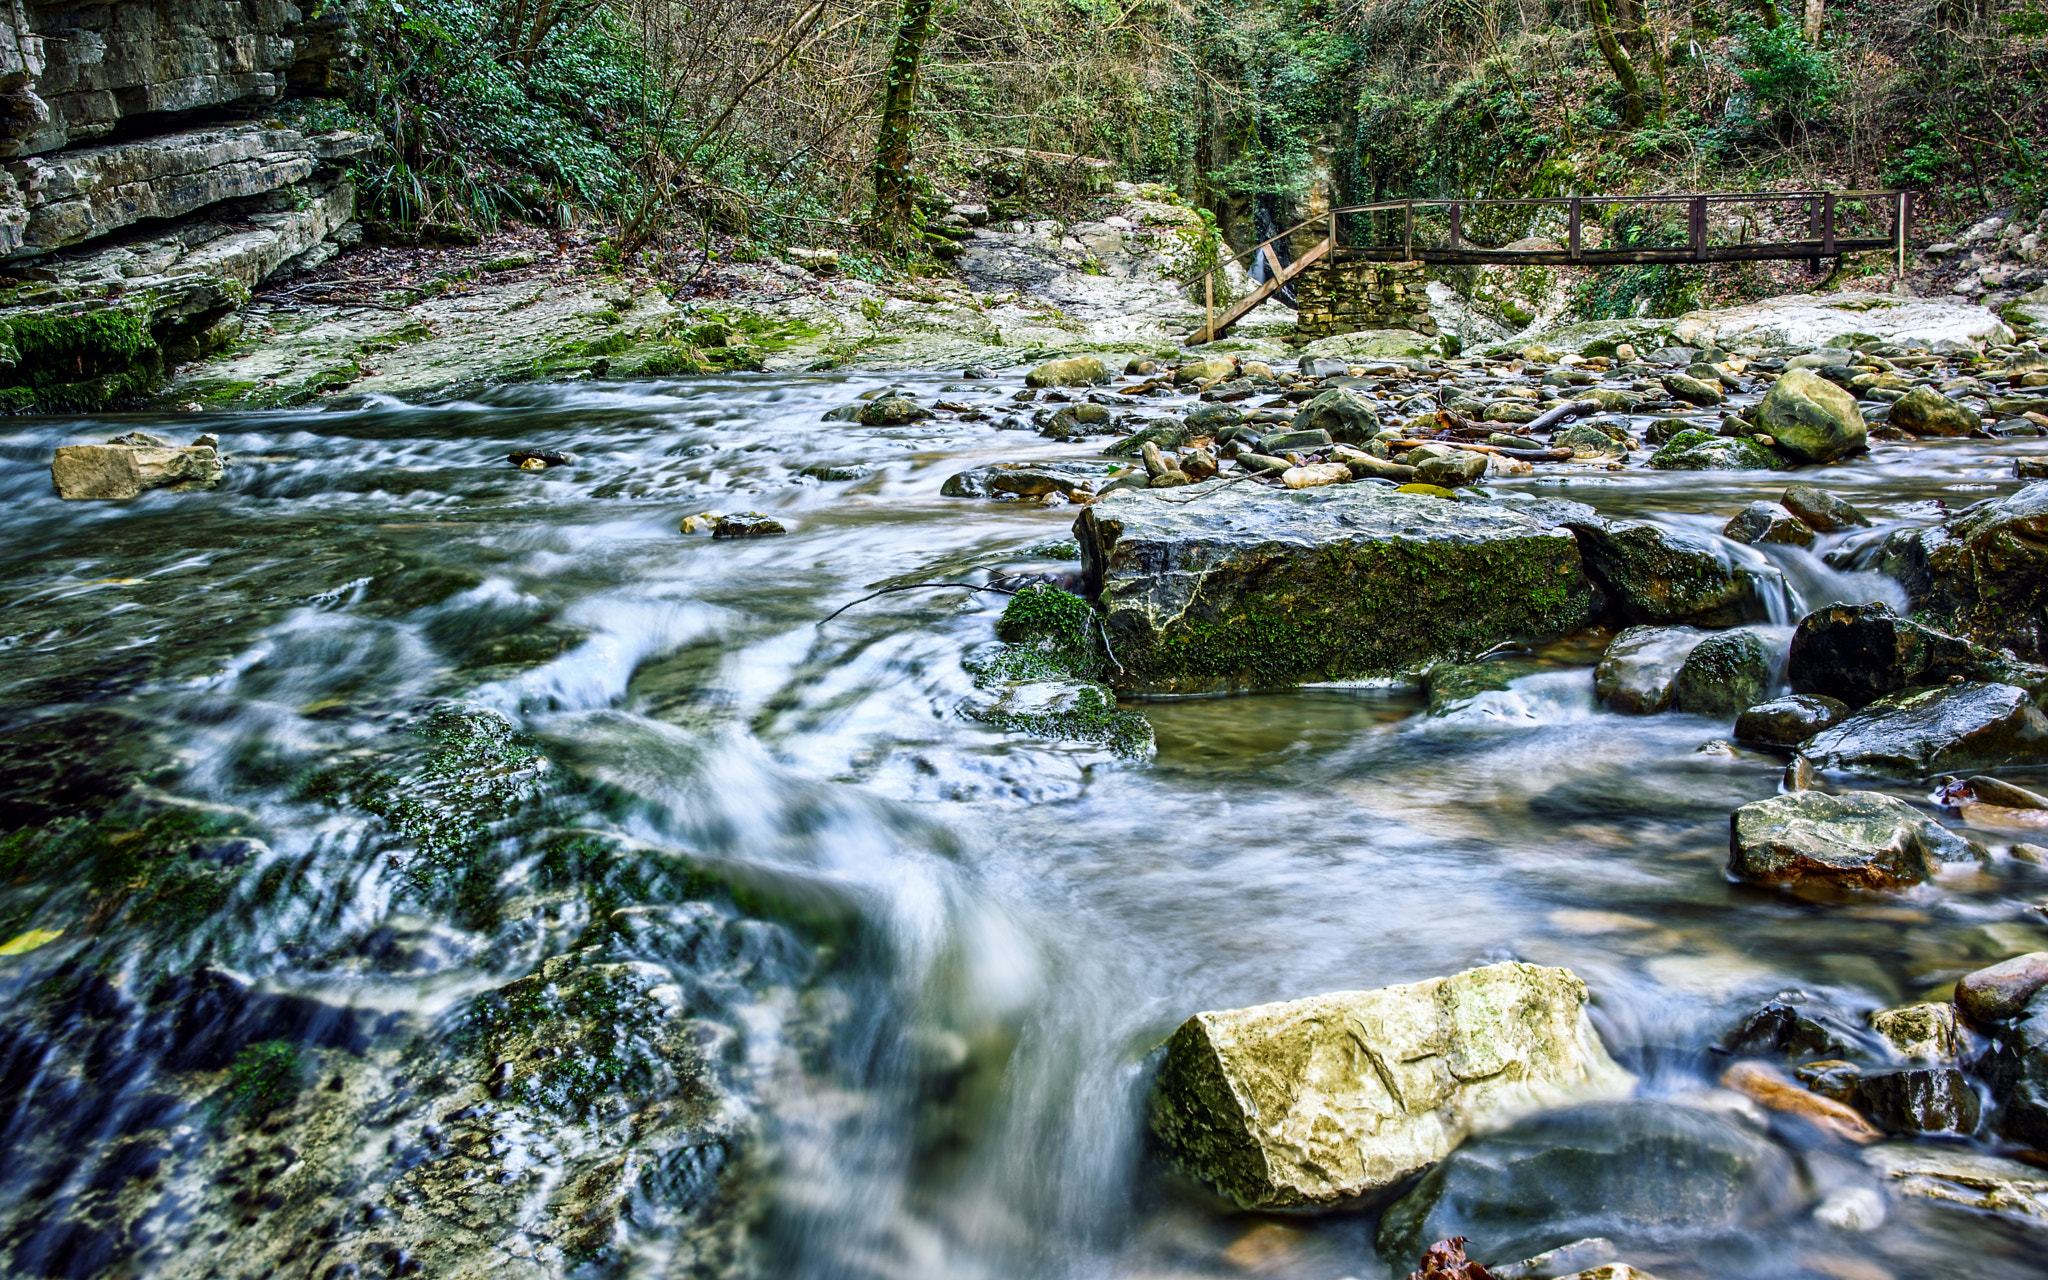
x=1564, y=413
x=922, y=586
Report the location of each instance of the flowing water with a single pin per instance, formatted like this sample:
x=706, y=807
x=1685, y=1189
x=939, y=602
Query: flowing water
x=934, y=959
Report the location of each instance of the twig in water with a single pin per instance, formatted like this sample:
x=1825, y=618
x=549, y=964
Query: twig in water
x=1103, y=626
x=1197, y=497
x=914, y=586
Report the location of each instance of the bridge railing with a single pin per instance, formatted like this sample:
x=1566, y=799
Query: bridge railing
x=1691, y=225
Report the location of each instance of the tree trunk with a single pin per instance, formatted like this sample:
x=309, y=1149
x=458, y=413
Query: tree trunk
x=899, y=101
x=1617, y=62
x=1816, y=14
x=1768, y=11
x=1650, y=42
x=1628, y=24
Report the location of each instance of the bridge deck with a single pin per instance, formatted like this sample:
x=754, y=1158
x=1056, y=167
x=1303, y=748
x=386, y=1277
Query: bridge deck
x=1821, y=242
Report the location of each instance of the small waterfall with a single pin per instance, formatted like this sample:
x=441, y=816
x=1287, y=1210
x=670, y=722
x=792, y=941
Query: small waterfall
x=1265, y=225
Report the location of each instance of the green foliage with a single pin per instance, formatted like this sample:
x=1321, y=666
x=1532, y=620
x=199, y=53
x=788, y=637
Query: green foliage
x=2027, y=23
x=1791, y=83
x=1656, y=289
x=1055, y=623
x=141, y=866
x=1925, y=161
x=470, y=137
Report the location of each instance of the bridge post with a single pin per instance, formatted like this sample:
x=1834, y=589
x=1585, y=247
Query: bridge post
x=1408, y=232
x=1572, y=232
x=1696, y=229
x=1905, y=212
x=1813, y=232
x=1827, y=226
x=1454, y=224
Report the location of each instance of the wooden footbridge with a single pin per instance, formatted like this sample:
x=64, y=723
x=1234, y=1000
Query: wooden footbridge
x=1838, y=222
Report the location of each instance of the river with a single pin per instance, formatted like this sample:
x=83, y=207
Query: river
x=946, y=952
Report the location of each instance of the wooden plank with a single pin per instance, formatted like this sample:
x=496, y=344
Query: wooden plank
x=1615, y=257
x=1216, y=328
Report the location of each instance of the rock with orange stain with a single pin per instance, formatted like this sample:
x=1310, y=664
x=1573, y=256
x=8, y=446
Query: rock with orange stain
x=1771, y=1088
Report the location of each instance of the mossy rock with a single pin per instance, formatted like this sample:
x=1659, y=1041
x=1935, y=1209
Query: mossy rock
x=1057, y=625
x=1725, y=674
x=666, y=360
x=445, y=791
x=78, y=361
x=1704, y=451
x=1045, y=678
x=1225, y=587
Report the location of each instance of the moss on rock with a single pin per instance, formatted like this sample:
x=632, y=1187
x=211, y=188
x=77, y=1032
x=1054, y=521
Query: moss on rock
x=77, y=361
x=1045, y=677
x=1697, y=450
x=1240, y=588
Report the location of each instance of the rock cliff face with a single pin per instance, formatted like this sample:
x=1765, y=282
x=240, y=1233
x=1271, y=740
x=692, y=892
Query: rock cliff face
x=136, y=213
x=72, y=72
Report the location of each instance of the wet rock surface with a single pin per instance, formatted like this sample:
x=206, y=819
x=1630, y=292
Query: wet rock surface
x=1638, y=674
x=1981, y=574
x=1636, y=1173
x=1923, y=732
x=1652, y=574
x=1789, y=721
x=1860, y=653
x=1860, y=840
x=1810, y=418
x=1724, y=674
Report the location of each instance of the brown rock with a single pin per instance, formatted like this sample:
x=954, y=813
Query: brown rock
x=1771, y=1088
x=2002, y=990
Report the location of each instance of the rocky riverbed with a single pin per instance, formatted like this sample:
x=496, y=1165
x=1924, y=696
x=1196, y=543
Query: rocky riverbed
x=753, y=822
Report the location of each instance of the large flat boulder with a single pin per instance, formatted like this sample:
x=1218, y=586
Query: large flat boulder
x=1317, y=1101
x=1922, y=732
x=1802, y=322
x=1225, y=586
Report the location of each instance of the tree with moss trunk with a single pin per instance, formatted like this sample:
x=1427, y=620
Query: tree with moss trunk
x=893, y=192
x=1632, y=111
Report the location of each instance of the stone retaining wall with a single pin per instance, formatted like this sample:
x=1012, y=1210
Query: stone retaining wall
x=1347, y=297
